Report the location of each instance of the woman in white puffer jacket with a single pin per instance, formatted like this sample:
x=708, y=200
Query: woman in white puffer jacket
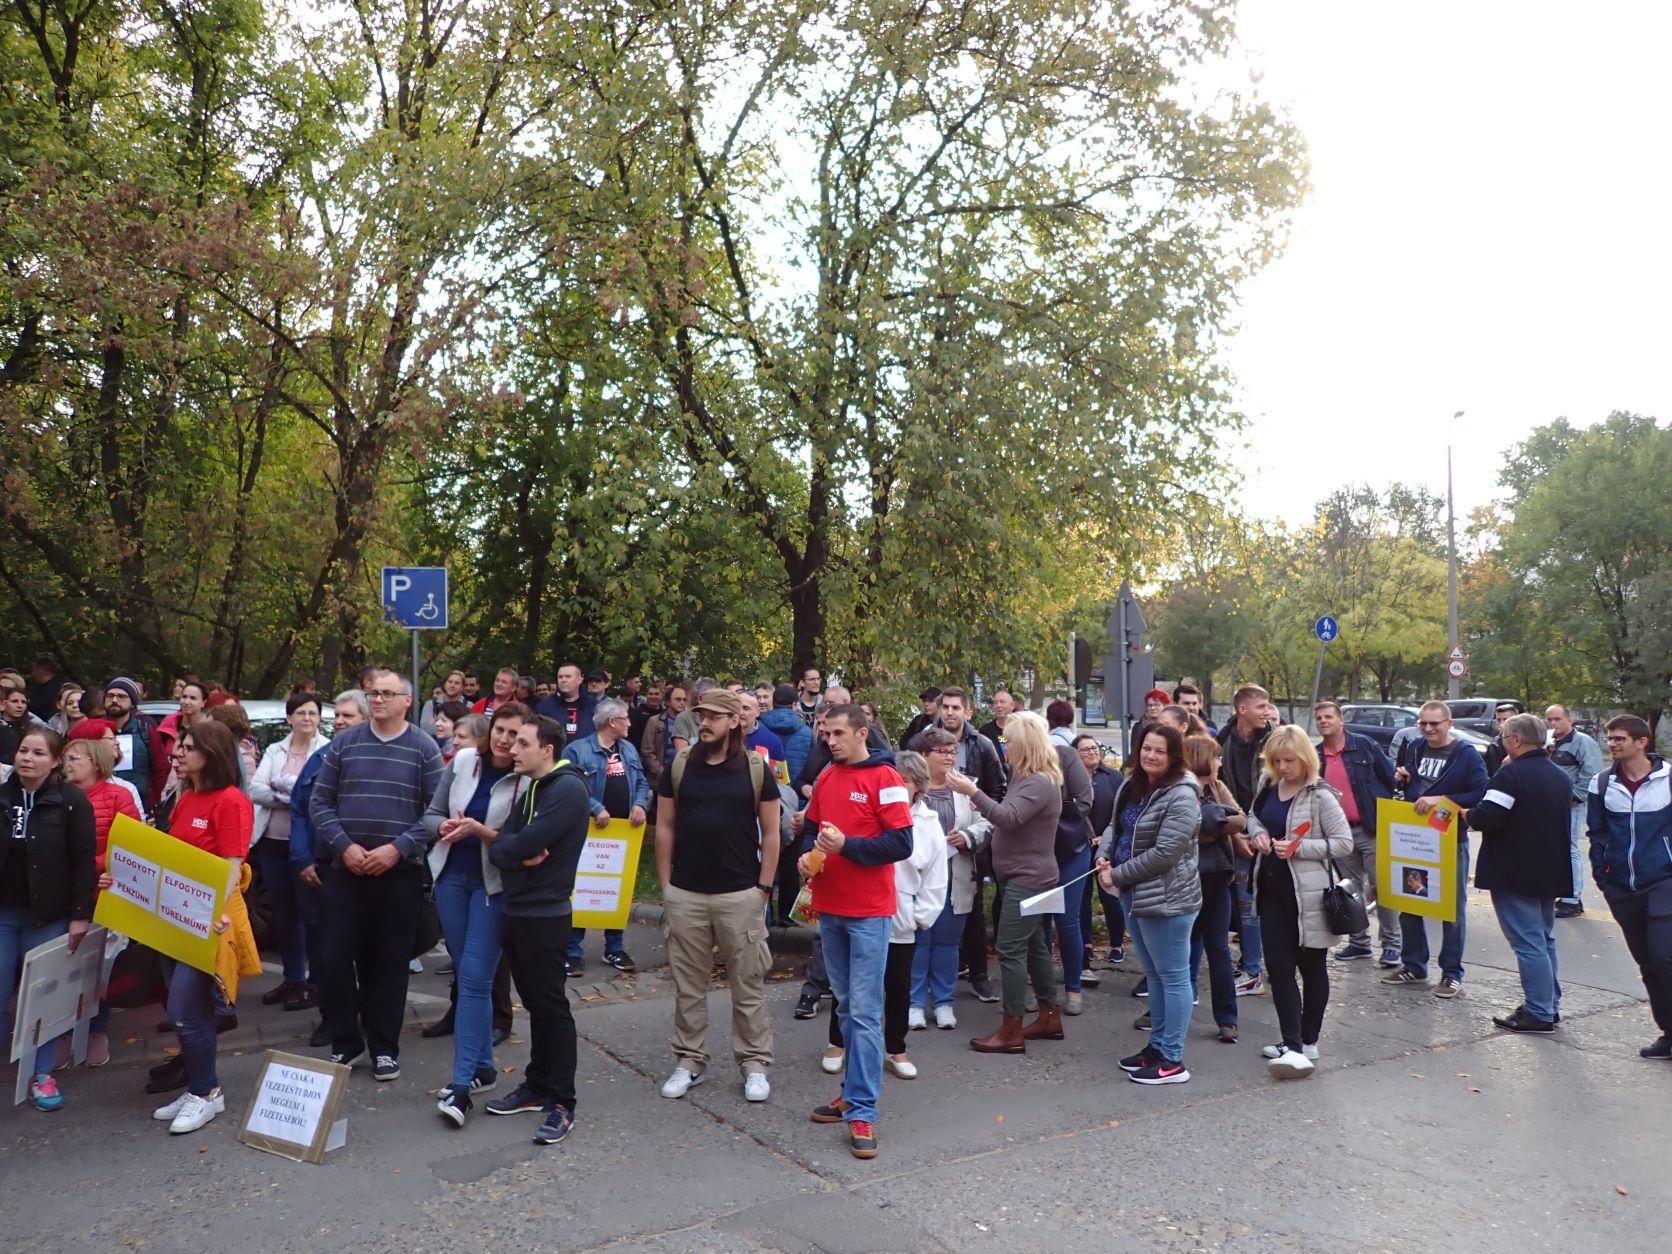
x=920, y=896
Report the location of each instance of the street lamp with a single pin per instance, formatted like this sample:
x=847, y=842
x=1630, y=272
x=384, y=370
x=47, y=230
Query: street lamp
x=1454, y=683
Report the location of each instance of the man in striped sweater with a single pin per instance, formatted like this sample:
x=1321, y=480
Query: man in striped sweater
x=367, y=813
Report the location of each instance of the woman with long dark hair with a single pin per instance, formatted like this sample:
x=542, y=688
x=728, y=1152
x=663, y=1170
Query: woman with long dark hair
x=1164, y=895
x=47, y=875
x=214, y=815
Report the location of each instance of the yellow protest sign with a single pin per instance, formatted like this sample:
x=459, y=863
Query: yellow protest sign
x=604, y=879
x=1416, y=859
x=164, y=893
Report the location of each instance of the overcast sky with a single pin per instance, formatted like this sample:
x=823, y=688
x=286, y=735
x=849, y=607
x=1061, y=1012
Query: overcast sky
x=1490, y=229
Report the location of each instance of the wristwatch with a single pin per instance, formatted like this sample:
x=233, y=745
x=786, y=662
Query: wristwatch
x=765, y=888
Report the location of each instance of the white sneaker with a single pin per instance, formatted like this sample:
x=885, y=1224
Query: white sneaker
x=196, y=1111
x=914, y=1019
x=1311, y=1051
x=680, y=1082
x=901, y=1066
x=756, y=1087
x=165, y=1114
x=416, y=966
x=1271, y=1051
x=945, y=1019
x=835, y=1057
x=1289, y=1066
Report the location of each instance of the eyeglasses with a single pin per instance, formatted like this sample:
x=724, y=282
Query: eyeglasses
x=384, y=696
x=945, y=751
x=1425, y=723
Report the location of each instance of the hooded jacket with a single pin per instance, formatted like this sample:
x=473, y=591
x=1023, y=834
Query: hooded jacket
x=868, y=802
x=1463, y=779
x=1239, y=764
x=1161, y=875
x=920, y=881
x=1317, y=820
x=1631, y=833
x=551, y=817
x=979, y=759
x=786, y=724
x=57, y=822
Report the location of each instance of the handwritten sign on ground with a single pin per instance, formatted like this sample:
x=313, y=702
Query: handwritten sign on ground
x=293, y=1111
x=163, y=893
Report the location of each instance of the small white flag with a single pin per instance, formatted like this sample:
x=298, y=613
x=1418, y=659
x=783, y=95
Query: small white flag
x=1048, y=902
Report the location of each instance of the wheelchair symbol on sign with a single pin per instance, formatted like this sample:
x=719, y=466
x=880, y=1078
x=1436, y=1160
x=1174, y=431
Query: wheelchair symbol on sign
x=428, y=610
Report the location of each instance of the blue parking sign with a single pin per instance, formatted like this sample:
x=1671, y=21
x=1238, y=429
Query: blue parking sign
x=415, y=597
x=1326, y=628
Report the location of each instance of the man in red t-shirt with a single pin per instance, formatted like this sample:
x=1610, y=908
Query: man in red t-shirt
x=859, y=824
x=504, y=691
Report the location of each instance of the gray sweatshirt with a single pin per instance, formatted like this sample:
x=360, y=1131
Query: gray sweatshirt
x=1024, y=831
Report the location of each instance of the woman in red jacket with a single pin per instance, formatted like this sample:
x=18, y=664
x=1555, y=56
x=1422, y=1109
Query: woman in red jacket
x=90, y=764
x=214, y=815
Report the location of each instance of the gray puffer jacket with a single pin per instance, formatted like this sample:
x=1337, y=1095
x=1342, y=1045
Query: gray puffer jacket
x=1161, y=878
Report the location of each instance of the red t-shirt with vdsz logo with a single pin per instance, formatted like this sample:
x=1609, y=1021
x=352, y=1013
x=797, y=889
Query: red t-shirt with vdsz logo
x=864, y=801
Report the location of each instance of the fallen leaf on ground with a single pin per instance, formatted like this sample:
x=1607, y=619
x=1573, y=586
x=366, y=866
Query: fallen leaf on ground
x=1621, y=1190
x=1474, y=1090
x=1416, y=1075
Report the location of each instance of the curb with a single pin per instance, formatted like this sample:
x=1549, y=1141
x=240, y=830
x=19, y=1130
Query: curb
x=784, y=940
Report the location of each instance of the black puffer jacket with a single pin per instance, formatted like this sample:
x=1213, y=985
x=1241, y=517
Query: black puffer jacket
x=58, y=824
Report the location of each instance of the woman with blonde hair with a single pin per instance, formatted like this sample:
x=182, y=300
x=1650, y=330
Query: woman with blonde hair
x=1024, y=864
x=90, y=764
x=1296, y=826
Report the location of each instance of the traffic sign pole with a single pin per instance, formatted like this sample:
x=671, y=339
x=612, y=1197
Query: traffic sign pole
x=1326, y=629
x=412, y=710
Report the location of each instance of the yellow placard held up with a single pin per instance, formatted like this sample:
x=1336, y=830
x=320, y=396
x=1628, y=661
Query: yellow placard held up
x=604, y=879
x=164, y=893
x=1416, y=859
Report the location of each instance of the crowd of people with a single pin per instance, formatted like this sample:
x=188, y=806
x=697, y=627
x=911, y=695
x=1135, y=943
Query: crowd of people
x=916, y=861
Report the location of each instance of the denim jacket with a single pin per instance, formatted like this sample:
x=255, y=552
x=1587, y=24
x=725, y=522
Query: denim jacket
x=1369, y=772
x=593, y=760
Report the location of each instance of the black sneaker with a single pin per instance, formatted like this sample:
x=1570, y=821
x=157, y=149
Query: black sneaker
x=347, y=1057
x=808, y=1006
x=1569, y=909
x=521, y=1100
x=1522, y=1020
x=576, y=968
x=484, y=1081
x=1353, y=953
x=441, y=1027
x=501, y=1034
x=622, y=962
x=1139, y=1060
x=1141, y=988
x=1660, y=1051
x=1160, y=1071
x=1117, y=955
x=555, y=1126
x=385, y=1067
x=454, y=1104
x=320, y=1037
x=982, y=987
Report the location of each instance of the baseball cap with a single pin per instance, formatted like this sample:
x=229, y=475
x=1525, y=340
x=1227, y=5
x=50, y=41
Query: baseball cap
x=720, y=701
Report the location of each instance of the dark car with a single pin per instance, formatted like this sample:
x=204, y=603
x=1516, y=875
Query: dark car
x=1480, y=714
x=1384, y=723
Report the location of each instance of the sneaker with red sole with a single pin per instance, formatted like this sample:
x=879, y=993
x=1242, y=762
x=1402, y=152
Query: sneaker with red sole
x=1161, y=1071
x=833, y=1112
x=862, y=1139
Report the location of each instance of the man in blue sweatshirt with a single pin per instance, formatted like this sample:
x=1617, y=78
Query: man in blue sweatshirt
x=1437, y=768
x=537, y=852
x=367, y=812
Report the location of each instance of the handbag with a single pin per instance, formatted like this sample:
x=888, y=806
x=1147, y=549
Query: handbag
x=1344, y=904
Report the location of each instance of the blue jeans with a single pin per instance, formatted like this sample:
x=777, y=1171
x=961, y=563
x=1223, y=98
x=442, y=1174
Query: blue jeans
x=1163, y=947
x=191, y=1008
x=1244, y=885
x=934, y=967
x=273, y=857
x=470, y=922
x=1576, y=851
x=1529, y=925
x=1070, y=938
x=856, y=959
x=1414, y=931
x=17, y=937
x=1212, y=935
x=612, y=942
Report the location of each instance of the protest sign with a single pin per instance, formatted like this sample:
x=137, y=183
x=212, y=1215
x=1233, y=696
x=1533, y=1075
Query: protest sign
x=1416, y=859
x=57, y=993
x=293, y=1110
x=164, y=893
x=604, y=879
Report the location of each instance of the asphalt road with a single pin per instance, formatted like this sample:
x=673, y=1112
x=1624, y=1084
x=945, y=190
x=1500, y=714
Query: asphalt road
x=1424, y=1129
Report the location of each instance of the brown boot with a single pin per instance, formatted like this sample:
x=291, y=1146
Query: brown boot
x=1007, y=1040
x=1048, y=1025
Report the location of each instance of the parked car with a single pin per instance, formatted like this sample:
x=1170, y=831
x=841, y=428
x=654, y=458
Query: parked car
x=1381, y=722
x=1480, y=714
x=267, y=721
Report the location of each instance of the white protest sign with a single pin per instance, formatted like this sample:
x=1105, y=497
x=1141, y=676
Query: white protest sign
x=1048, y=902
x=133, y=877
x=597, y=893
x=293, y=1111
x=57, y=994
x=186, y=903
